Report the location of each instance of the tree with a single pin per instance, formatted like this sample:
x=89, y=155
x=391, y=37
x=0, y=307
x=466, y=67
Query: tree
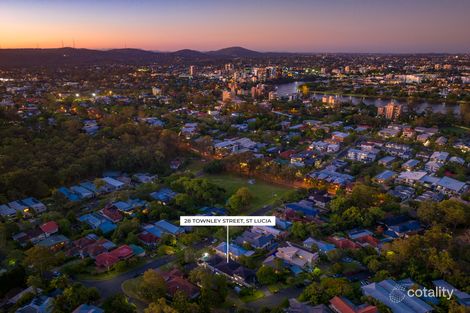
x=266, y=275
x=214, y=167
x=125, y=228
x=153, y=286
x=184, y=202
x=214, y=287
x=73, y=296
x=448, y=212
x=160, y=306
x=240, y=199
x=118, y=303
x=182, y=305
x=34, y=281
x=299, y=230
x=40, y=258
x=325, y=290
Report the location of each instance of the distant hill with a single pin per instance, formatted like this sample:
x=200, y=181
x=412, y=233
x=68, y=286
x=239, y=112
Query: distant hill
x=188, y=53
x=73, y=57
x=236, y=52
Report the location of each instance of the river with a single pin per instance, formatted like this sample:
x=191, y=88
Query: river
x=284, y=90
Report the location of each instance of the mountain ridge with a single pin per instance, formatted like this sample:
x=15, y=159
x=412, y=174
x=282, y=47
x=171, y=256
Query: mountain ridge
x=27, y=57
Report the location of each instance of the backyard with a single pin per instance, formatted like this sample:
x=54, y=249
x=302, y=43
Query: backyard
x=263, y=193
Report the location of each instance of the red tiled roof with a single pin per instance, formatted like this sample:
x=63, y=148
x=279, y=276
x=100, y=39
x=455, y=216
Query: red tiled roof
x=49, y=227
x=343, y=243
x=176, y=282
x=147, y=238
x=95, y=249
x=123, y=252
x=83, y=242
x=374, y=242
x=342, y=305
x=112, y=213
x=106, y=259
x=286, y=154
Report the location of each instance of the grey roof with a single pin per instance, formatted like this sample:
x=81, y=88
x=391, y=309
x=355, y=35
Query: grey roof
x=450, y=183
x=381, y=291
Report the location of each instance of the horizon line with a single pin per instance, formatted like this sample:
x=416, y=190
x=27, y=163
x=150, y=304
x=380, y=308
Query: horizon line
x=206, y=51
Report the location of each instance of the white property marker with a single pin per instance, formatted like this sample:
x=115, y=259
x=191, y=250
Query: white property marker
x=227, y=221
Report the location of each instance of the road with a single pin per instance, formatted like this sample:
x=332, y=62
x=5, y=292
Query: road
x=112, y=286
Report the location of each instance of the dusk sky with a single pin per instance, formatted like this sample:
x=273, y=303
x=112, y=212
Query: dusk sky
x=264, y=25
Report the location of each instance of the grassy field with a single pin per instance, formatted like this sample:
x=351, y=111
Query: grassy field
x=264, y=193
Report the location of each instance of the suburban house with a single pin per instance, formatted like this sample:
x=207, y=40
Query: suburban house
x=344, y=305
x=34, y=204
x=382, y=292
x=164, y=195
x=463, y=298
x=54, y=242
x=343, y=243
x=400, y=226
x=175, y=282
x=256, y=240
x=97, y=221
x=111, y=184
x=108, y=259
x=235, y=251
x=322, y=246
x=450, y=186
x=148, y=239
x=49, y=228
x=88, y=308
x=236, y=272
x=303, y=207
x=296, y=258
x=410, y=164
x=169, y=228
x=112, y=213
x=385, y=177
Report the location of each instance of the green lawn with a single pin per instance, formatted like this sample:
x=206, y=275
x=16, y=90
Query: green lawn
x=275, y=288
x=264, y=193
x=257, y=294
x=456, y=130
x=195, y=166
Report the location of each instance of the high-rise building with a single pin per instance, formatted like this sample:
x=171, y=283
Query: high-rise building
x=391, y=111
x=192, y=70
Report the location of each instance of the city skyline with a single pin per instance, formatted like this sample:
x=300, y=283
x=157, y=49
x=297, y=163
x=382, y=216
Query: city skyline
x=298, y=26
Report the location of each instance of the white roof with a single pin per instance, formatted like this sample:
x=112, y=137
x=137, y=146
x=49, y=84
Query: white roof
x=113, y=182
x=412, y=175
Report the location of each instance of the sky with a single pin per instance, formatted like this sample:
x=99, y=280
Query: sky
x=396, y=26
